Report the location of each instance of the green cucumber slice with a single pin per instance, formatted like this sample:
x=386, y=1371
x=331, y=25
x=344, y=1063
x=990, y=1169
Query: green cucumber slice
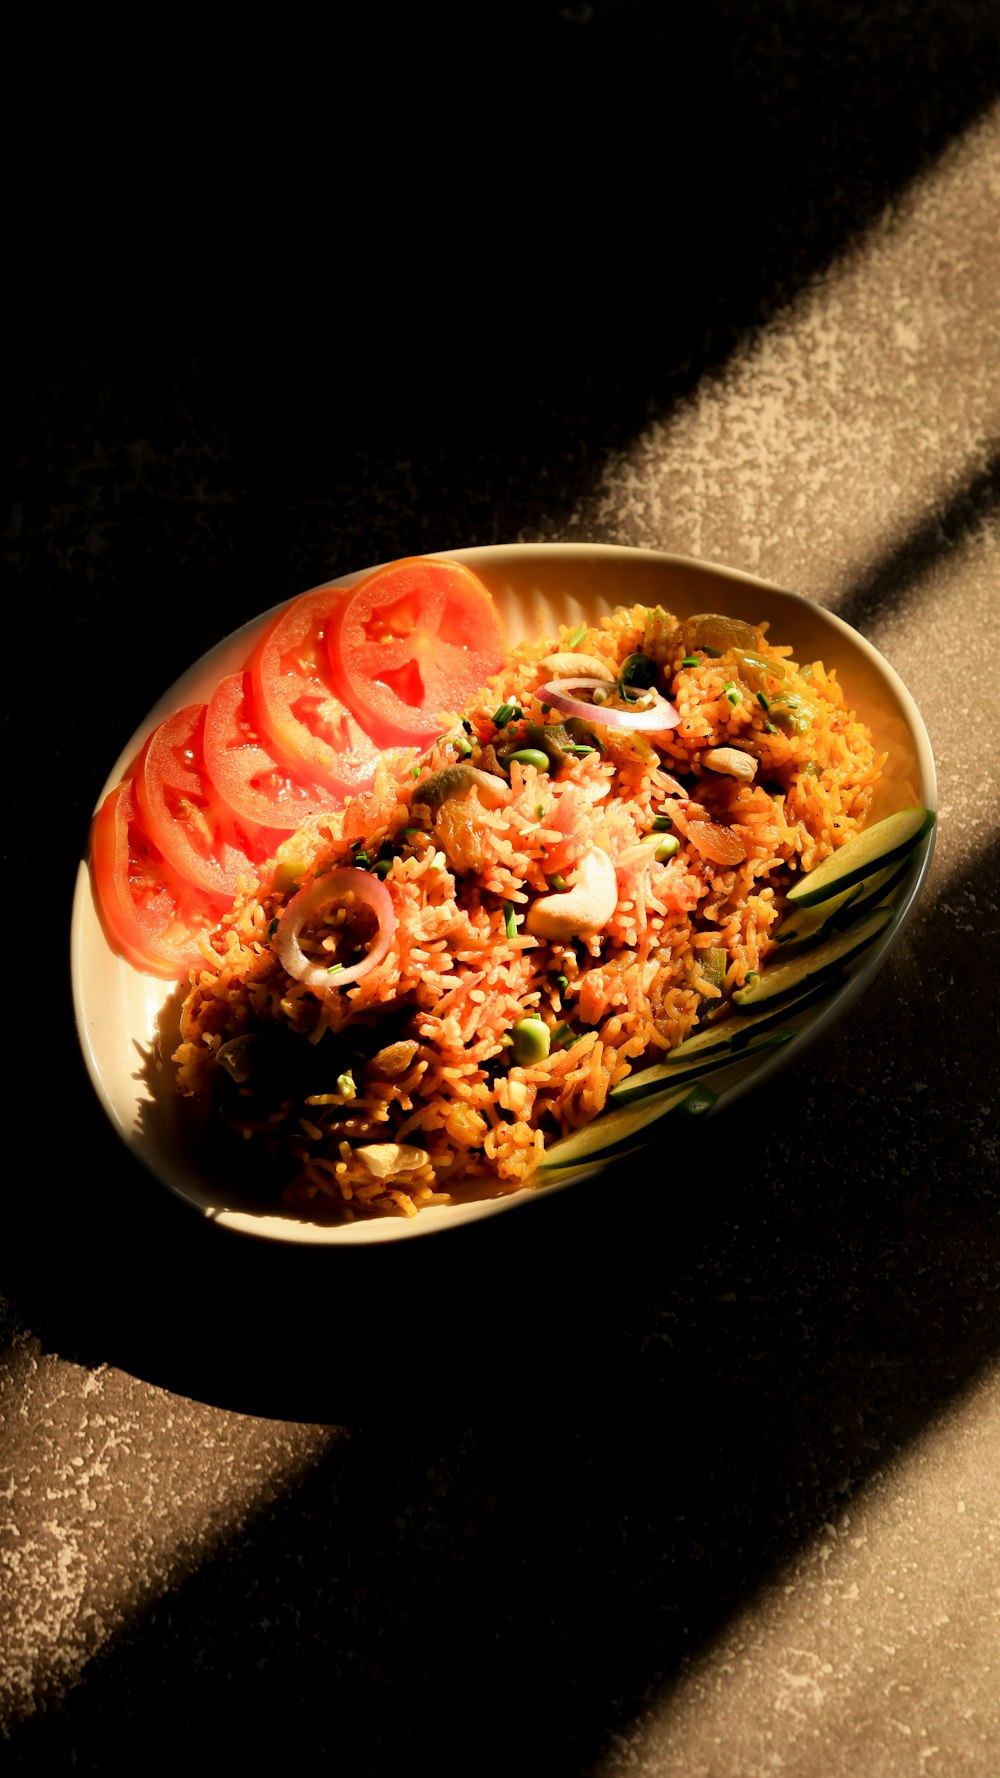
x=807, y=925
x=883, y=844
x=614, y=1129
x=661, y=1074
x=717, y=1040
x=786, y=975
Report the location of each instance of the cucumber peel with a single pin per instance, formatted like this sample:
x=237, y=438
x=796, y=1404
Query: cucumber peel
x=729, y=1034
x=807, y=925
x=784, y=976
x=662, y=1074
x=617, y=1129
x=885, y=843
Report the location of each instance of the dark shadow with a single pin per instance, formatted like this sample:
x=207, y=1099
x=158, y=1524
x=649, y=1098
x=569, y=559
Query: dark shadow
x=954, y=520
x=632, y=189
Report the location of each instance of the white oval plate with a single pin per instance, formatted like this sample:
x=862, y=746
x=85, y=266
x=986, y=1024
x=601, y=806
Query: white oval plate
x=127, y=1021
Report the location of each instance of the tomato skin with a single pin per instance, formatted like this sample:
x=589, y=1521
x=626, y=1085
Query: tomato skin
x=413, y=640
x=305, y=721
x=245, y=772
x=149, y=914
x=184, y=817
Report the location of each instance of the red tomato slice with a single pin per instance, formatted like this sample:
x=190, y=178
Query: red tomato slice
x=254, y=784
x=184, y=817
x=303, y=718
x=150, y=916
x=413, y=640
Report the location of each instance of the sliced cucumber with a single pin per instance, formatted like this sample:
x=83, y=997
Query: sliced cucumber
x=662, y=1074
x=885, y=843
x=615, y=1129
x=734, y=1034
x=807, y=925
x=787, y=975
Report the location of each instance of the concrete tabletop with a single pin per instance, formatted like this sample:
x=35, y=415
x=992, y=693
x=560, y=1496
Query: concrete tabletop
x=538, y=1497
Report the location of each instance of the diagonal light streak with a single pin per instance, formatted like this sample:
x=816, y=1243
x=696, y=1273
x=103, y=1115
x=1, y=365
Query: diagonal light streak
x=903, y=1578
x=70, y=1586
x=838, y=427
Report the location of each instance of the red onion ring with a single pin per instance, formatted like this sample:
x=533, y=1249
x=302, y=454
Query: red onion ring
x=333, y=888
x=559, y=693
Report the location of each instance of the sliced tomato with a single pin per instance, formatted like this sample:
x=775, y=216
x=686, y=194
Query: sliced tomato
x=185, y=818
x=413, y=640
x=150, y=915
x=304, y=719
x=244, y=770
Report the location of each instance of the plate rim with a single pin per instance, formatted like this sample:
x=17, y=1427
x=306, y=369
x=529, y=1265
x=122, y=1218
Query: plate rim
x=284, y=1230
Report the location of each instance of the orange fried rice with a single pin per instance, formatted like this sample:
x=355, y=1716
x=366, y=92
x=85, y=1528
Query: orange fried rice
x=405, y=1088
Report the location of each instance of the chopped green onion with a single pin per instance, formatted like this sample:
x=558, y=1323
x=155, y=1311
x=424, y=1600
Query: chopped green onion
x=557, y=883
x=406, y=831
x=507, y=713
x=414, y=771
x=577, y=748
x=509, y=919
x=361, y=859
x=334, y=968
x=346, y=1087
x=539, y=811
x=466, y=724
x=577, y=636
x=562, y=983
x=762, y=701
x=272, y=928
x=731, y=692
x=690, y=660
x=563, y=1037
x=662, y=823
x=546, y=709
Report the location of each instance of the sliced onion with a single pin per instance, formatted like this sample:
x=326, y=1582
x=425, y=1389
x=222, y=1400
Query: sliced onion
x=559, y=693
x=325, y=891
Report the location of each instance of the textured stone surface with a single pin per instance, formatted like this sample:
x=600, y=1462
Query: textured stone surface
x=544, y=1498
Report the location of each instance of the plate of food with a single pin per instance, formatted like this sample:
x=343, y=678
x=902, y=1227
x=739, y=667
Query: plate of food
x=444, y=884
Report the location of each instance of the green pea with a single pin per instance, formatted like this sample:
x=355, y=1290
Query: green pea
x=532, y=756
x=667, y=848
x=531, y=1041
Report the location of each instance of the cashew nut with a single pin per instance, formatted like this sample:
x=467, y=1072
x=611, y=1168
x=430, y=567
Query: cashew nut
x=576, y=666
x=584, y=908
x=732, y=761
x=458, y=780
x=387, y=1159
